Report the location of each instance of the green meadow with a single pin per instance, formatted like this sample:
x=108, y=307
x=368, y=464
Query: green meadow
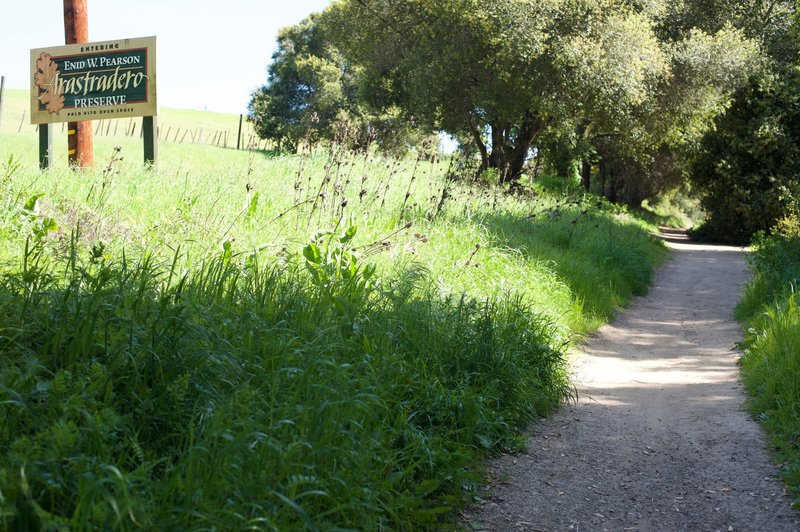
x=329, y=340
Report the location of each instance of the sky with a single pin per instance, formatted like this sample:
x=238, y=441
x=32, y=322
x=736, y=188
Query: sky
x=211, y=54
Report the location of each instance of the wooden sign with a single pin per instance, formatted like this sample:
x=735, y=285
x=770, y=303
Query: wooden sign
x=92, y=81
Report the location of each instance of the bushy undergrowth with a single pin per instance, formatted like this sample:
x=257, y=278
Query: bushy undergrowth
x=200, y=347
x=771, y=364
x=135, y=395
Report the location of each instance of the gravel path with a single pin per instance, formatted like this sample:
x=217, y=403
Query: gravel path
x=658, y=439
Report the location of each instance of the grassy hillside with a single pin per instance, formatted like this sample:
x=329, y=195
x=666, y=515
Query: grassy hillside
x=320, y=341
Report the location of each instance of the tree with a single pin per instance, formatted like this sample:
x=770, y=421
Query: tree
x=507, y=72
x=749, y=168
x=307, y=85
x=746, y=169
x=765, y=21
x=312, y=95
x=652, y=152
x=643, y=146
x=500, y=72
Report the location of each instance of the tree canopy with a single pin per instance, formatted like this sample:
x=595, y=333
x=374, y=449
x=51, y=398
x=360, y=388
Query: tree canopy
x=306, y=83
x=747, y=165
x=501, y=73
x=507, y=72
x=312, y=94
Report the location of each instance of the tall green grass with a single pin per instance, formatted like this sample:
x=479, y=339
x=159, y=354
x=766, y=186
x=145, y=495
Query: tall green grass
x=771, y=364
x=236, y=396
x=330, y=340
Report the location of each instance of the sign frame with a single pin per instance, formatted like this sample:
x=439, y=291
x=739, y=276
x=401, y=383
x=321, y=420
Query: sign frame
x=94, y=81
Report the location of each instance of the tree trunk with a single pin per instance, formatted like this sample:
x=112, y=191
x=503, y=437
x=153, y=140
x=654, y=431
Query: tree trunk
x=586, y=174
x=603, y=179
x=509, y=151
x=517, y=155
x=612, y=186
x=497, y=159
x=476, y=136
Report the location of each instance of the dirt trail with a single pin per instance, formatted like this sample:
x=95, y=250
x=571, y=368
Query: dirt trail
x=658, y=439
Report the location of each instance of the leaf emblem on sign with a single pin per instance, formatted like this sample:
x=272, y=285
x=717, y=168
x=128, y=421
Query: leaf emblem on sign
x=46, y=78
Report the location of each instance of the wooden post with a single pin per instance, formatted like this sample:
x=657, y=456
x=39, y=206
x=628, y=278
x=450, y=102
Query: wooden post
x=45, y=146
x=239, y=136
x=79, y=134
x=2, y=91
x=150, y=136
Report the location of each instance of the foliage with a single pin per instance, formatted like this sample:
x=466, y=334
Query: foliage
x=679, y=208
x=649, y=153
x=775, y=260
x=311, y=90
x=745, y=168
x=631, y=85
x=591, y=81
x=306, y=83
x=748, y=169
x=765, y=21
x=771, y=364
x=244, y=396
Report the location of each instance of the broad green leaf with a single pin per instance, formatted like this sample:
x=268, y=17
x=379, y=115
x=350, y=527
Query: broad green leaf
x=30, y=205
x=48, y=224
x=313, y=254
x=347, y=237
x=428, y=486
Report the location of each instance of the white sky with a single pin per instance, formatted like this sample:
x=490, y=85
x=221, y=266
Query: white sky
x=211, y=54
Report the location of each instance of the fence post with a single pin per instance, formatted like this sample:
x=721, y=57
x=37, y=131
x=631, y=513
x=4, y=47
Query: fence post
x=239, y=136
x=2, y=91
x=45, y=146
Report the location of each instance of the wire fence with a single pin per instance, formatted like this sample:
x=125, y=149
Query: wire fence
x=17, y=120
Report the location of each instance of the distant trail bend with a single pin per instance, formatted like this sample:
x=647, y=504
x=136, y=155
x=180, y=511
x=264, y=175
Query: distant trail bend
x=658, y=439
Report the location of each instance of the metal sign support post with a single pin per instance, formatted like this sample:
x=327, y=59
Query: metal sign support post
x=45, y=146
x=150, y=138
